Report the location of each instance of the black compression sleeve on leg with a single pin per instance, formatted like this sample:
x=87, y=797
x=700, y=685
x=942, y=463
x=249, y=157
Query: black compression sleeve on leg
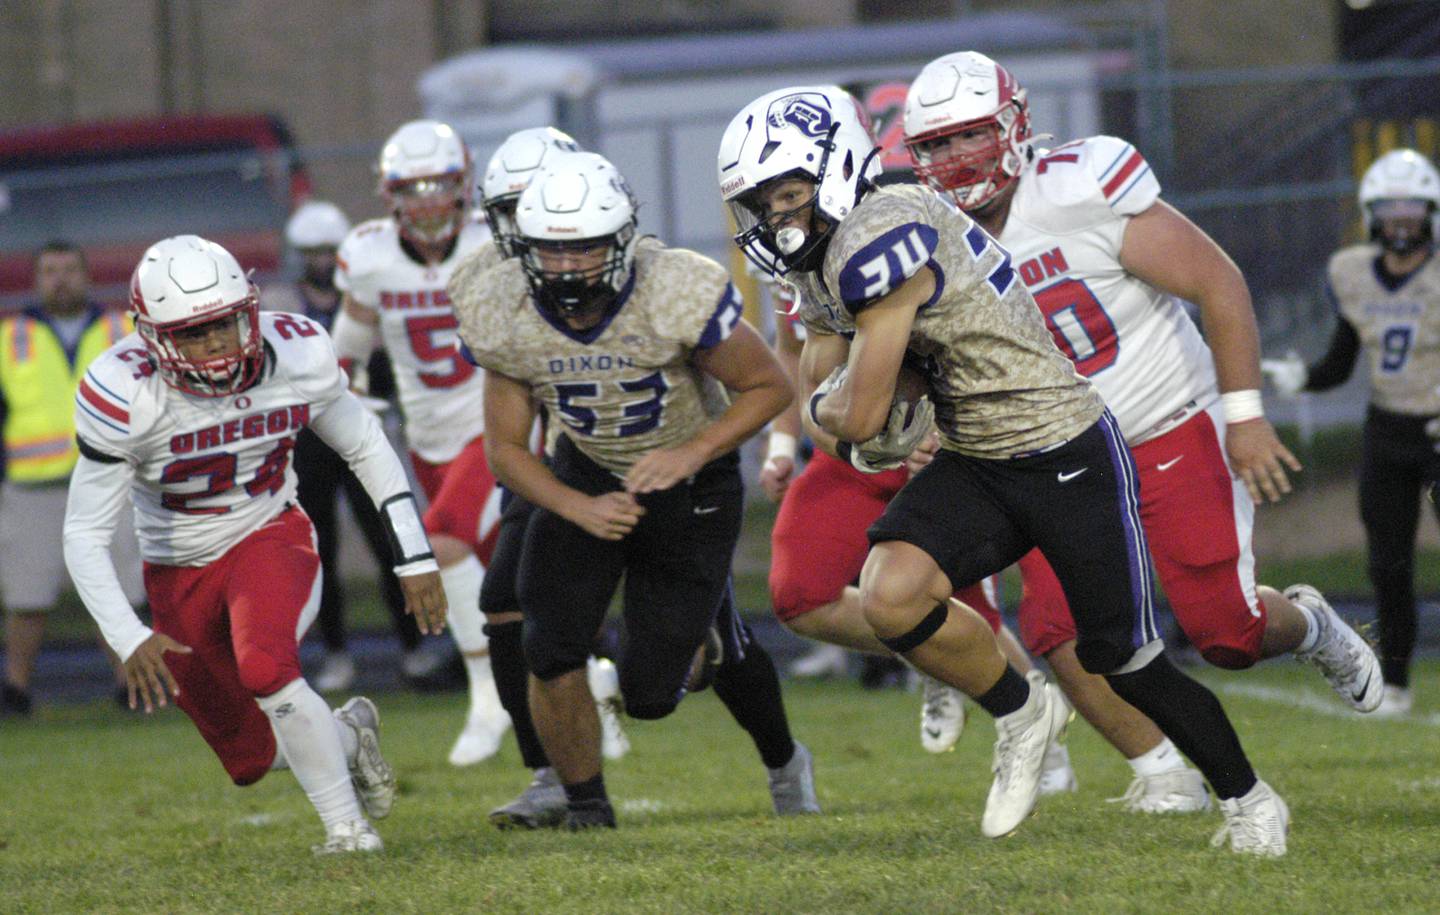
x=909, y=641
x=1191, y=716
x=507, y=660
x=750, y=689
x=1008, y=694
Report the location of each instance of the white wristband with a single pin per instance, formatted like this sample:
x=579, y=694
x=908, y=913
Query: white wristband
x=782, y=444
x=1242, y=406
x=418, y=567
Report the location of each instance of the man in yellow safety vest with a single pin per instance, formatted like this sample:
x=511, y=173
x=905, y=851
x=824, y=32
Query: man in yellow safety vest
x=44, y=351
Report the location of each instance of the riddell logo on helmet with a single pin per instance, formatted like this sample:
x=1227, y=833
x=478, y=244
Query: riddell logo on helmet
x=732, y=185
x=207, y=306
x=572, y=230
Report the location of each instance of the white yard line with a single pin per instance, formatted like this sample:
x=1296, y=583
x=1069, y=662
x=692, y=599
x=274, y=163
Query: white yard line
x=1309, y=701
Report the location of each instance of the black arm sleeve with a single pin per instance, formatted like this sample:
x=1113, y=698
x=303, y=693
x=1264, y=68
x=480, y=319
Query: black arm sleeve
x=1335, y=366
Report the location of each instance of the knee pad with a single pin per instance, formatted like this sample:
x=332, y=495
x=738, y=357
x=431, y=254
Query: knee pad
x=262, y=674
x=920, y=632
x=1099, y=657
x=649, y=711
x=548, y=659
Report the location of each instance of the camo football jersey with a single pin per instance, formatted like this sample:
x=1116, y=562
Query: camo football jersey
x=440, y=392
x=627, y=386
x=209, y=471
x=1400, y=329
x=999, y=385
x=1136, y=344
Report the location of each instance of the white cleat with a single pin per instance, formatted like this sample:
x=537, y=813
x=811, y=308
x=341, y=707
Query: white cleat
x=942, y=716
x=822, y=661
x=1257, y=823
x=1177, y=791
x=372, y=776
x=350, y=836
x=1021, y=741
x=1341, y=654
x=605, y=687
x=479, y=740
x=1058, y=776
x=792, y=786
x=336, y=674
x=1396, y=702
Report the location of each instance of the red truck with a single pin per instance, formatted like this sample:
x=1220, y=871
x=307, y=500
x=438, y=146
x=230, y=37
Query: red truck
x=116, y=187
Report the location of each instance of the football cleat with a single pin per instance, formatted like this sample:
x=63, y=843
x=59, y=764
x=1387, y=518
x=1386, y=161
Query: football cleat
x=942, y=715
x=1057, y=775
x=1341, y=654
x=605, y=687
x=589, y=815
x=1396, y=702
x=479, y=740
x=540, y=806
x=1021, y=741
x=336, y=674
x=1256, y=824
x=1180, y=790
x=350, y=836
x=372, y=776
x=792, y=786
x=822, y=661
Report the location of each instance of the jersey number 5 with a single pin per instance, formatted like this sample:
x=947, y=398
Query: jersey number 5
x=422, y=331
x=1080, y=326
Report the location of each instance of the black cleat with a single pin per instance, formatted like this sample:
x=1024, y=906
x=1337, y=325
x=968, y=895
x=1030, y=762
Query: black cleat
x=589, y=815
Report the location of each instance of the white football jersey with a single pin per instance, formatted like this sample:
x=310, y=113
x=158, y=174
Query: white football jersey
x=1134, y=342
x=440, y=391
x=208, y=471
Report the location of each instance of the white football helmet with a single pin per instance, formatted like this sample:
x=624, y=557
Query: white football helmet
x=814, y=132
x=317, y=224
x=181, y=284
x=1402, y=183
x=576, y=233
x=509, y=172
x=962, y=92
x=425, y=175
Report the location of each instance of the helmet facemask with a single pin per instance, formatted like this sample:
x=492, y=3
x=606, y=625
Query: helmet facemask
x=1401, y=226
x=975, y=177
x=429, y=210
x=500, y=213
x=217, y=375
x=571, y=279
x=772, y=246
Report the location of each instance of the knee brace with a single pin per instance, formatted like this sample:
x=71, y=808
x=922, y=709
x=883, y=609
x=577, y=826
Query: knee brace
x=922, y=631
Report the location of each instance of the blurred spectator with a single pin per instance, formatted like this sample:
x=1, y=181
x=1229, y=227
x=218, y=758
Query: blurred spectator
x=315, y=232
x=44, y=351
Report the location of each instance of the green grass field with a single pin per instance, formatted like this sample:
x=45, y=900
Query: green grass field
x=101, y=812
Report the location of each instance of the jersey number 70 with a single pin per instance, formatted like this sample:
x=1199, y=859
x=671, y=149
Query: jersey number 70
x=1080, y=326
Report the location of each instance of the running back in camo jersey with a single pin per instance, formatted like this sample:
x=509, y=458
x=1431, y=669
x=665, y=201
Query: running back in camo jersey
x=1000, y=386
x=1400, y=329
x=627, y=386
